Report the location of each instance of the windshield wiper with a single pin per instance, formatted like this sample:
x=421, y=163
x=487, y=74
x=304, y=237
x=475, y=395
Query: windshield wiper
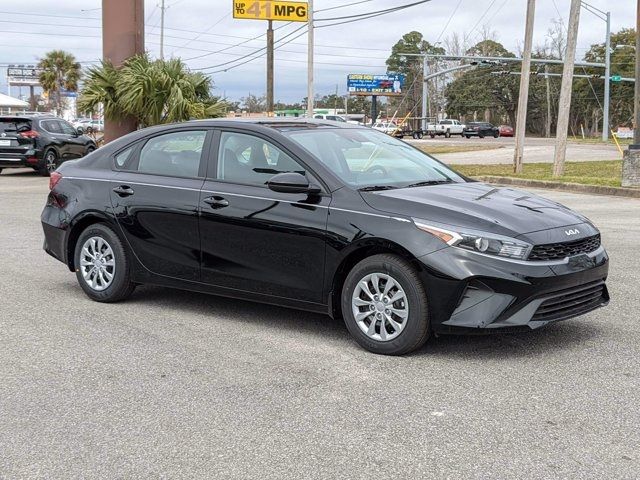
x=374, y=188
x=428, y=182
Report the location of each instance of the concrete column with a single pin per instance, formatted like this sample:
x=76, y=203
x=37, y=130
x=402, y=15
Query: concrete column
x=122, y=37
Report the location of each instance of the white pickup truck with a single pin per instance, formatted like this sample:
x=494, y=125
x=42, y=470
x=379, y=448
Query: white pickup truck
x=445, y=127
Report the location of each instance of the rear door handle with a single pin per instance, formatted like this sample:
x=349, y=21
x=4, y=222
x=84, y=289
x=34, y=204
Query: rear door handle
x=216, y=201
x=124, y=190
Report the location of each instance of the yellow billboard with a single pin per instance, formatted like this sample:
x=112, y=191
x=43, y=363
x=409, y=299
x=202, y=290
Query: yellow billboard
x=271, y=10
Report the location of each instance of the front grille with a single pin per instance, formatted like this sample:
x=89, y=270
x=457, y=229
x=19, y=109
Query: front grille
x=558, y=251
x=572, y=302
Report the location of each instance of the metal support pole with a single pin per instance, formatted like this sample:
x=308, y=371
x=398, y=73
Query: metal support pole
x=523, y=97
x=607, y=81
x=310, y=92
x=565, y=90
x=270, y=68
x=425, y=93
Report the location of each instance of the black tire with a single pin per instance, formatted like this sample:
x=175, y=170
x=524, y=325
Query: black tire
x=0, y=170
x=447, y=134
x=467, y=136
x=49, y=163
x=480, y=135
x=90, y=149
x=496, y=135
x=416, y=331
x=420, y=135
x=121, y=285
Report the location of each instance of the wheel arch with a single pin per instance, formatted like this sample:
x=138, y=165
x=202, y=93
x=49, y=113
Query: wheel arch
x=79, y=224
x=372, y=246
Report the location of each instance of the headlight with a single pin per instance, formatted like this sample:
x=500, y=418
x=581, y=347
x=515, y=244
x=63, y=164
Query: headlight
x=476, y=241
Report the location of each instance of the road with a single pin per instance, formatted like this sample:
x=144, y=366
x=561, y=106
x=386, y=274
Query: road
x=173, y=384
x=536, y=150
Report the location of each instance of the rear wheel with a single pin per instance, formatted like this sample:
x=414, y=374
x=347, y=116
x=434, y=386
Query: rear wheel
x=496, y=135
x=467, y=136
x=384, y=305
x=50, y=163
x=102, y=265
x=480, y=135
x=447, y=134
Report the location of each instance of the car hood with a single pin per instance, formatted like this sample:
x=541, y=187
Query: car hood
x=478, y=206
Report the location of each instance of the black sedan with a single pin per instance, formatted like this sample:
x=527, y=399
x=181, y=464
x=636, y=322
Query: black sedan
x=481, y=130
x=326, y=217
x=41, y=142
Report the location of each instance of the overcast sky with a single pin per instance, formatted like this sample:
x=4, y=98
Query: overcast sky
x=360, y=47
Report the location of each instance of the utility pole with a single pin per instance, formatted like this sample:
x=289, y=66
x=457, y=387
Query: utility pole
x=162, y=9
x=310, y=93
x=270, y=68
x=548, y=125
x=425, y=93
x=565, y=90
x=523, y=97
x=607, y=80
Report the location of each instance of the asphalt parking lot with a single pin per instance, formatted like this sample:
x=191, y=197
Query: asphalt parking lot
x=173, y=384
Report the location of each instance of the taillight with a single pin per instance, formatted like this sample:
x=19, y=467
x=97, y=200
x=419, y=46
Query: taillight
x=54, y=178
x=29, y=134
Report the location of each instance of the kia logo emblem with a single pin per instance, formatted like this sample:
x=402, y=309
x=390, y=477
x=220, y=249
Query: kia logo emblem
x=573, y=231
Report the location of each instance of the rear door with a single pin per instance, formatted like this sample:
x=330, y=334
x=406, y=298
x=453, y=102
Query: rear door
x=14, y=139
x=155, y=197
x=59, y=139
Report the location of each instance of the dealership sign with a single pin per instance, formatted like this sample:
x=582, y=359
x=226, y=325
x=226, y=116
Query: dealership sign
x=271, y=10
x=23, y=73
x=385, y=85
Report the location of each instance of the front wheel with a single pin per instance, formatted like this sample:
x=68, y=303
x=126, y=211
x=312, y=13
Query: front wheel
x=90, y=149
x=102, y=265
x=384, y=305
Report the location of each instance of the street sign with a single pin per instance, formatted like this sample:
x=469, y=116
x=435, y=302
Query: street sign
x=384, y=85
x=616, y=78
x=271, y=10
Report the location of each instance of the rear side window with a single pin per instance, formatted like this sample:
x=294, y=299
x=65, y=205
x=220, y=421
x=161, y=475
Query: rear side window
x=13, y=125
x=174, y=154
x=122, y=157
x=51, y=126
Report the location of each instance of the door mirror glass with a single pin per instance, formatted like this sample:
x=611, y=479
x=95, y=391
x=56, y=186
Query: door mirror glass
x=80, y=131
x=291, y=182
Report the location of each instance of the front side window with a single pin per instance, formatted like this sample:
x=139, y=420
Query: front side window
x=175, y=154
x=365, y=157
x=66, y=128
x=251, y=160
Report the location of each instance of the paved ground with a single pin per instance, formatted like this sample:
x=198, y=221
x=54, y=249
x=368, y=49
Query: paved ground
x=537, y=150
x=181, y=385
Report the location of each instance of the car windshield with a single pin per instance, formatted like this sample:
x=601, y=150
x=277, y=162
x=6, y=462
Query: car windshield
x=367, y=158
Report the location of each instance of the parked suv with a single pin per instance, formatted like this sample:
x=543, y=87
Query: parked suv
x=40, y=142
x=481, y=130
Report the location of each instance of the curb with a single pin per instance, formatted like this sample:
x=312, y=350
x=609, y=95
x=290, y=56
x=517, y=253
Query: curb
x=567, y=187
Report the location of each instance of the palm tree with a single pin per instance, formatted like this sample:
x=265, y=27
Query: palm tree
x=59, y=70
x=151, y=91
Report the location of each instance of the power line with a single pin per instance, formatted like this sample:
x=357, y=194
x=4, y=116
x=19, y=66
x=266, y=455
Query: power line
x=448, y=21
x=343, y=6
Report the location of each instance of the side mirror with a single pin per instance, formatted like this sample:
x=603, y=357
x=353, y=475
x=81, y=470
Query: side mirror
x=291, y=182
x=80, y=131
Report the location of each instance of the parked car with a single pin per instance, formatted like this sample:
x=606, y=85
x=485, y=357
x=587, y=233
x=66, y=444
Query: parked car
x=481, y=130
x=333, y=118
x=341, y=220
x=390, y=128
x=40, y=142
x=445, y=127
x=81, y=123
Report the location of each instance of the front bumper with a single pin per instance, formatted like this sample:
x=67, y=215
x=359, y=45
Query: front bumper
x=488, y=293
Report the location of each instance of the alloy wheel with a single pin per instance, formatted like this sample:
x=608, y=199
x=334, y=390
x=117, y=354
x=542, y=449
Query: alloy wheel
x=380, y=307
x=97, y=263
x=50, y=162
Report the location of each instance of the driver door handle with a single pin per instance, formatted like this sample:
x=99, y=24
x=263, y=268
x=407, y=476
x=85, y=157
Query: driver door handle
x=216, y=201
x=124, y=190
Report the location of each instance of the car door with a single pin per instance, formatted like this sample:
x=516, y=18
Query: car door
x=254, y=239
x=155, y=195
x=75, y=142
